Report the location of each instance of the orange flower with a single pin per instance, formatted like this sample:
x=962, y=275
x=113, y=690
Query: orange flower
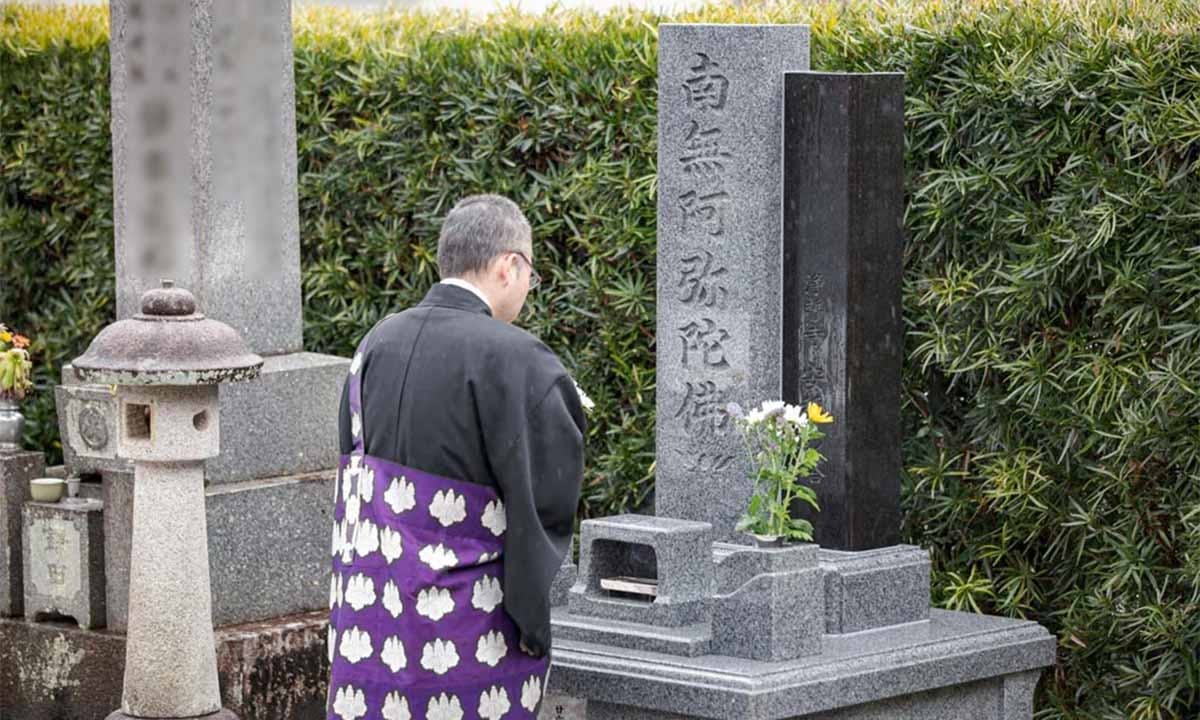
x=20, y=341
x=818, y=415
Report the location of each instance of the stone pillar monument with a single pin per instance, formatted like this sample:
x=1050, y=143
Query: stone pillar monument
x=204, y=190
x=166, y=363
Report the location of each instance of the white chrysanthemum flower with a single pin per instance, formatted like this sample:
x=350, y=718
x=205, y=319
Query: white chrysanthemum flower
x=356, y=645
x=366, y=483
x=360, y=592
x=493, y=703
x=487, y=594
x=355, y=424
x=795, y=415
x=353, y=509
x=448, y=507
x=366, y=538
x=438, y=557
x=491, y=648
x=494, y=518
x=393, y=654
x=391, y=544
x=584, y=400
x=772, y=405
x=395, y=707
x=391, y=599
x=439, y=656
x=401, y=495
x=356, y=363
x=444, y=707
x=349, y=703
x=434, y=603
x=531, y=693
x=331, y=643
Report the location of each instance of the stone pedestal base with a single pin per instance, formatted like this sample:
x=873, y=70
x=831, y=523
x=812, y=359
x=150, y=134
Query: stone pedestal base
x=268, y=546
x=276, y=670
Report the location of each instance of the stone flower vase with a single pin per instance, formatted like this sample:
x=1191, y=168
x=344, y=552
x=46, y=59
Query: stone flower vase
x=12, y=425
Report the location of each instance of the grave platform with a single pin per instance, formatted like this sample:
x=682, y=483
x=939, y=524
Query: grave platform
x=953, y=665
x=786, y=633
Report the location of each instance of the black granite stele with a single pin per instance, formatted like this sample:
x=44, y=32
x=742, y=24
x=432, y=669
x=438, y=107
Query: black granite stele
x=843, y=192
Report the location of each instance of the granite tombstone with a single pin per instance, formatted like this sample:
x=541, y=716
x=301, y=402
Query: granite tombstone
x=720, y=90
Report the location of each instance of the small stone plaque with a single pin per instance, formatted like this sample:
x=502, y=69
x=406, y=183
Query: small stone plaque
x=54, y=550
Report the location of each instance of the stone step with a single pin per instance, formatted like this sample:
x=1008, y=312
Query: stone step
x=686, y=641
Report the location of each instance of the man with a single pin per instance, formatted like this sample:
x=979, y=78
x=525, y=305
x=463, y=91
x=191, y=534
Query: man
x=462, y=441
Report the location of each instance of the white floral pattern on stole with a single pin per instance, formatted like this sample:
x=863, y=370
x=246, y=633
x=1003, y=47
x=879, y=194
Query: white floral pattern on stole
x=434, y=603
x=366, y=483
x=531, y=693
x=391, y=599
x=439, y=656
x=393, y=654
x=448, y=508
x=331, y=643
x=366, y=538
x=401, y=496
x=356, y=363
x=356, y=645
x=355, y=424
x=395, y=707
x=350, y=704
x=360, y=592
x=391, y=544
x=494, y=519
x=438, y=557
x=493, y=703
x=491, y=649
x=486, y=594
x=444, y=707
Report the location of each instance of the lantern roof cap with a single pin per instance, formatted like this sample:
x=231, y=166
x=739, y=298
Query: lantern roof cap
x=167, y=343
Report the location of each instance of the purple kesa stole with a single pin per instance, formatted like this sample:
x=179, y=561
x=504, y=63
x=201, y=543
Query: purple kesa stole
x=417, y=625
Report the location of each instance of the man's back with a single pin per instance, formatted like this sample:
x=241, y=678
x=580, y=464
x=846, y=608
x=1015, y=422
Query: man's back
x=451, y=391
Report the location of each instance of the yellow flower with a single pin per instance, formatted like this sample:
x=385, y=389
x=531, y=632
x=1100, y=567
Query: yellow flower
x=818, y=415
x=5, y=336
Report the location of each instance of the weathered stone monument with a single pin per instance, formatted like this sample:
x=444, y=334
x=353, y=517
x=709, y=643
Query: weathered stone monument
x=204, y=171
x=660, y=621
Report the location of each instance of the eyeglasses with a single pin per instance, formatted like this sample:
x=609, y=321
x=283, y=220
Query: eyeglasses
x=534, y=278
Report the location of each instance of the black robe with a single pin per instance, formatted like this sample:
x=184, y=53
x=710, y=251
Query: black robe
x=450, y=390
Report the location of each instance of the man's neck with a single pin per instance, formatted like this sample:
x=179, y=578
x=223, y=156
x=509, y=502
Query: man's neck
x=472, y=287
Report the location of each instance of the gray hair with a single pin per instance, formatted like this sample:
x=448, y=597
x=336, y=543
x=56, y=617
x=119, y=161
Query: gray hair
x=479, y=228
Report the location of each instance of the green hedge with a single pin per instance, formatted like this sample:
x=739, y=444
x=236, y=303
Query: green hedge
x=1052, y=456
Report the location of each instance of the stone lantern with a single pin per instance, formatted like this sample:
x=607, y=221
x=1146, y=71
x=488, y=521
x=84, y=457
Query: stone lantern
x=166, y=363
